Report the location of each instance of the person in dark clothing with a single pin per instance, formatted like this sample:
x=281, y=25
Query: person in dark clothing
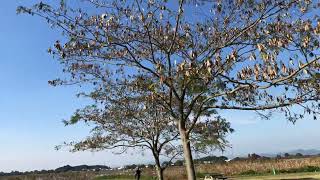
x=137, y=174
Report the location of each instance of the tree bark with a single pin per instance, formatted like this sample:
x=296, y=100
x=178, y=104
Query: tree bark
x=159, y=172
x=187, y=153
x=159, y=169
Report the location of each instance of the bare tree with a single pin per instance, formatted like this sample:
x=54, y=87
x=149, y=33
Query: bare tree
x=195, y=57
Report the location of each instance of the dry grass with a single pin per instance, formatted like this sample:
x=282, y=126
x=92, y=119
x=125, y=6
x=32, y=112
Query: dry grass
x=233, y=168
x=238, y=167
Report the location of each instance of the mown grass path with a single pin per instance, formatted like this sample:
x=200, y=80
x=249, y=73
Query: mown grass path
x=293, y=176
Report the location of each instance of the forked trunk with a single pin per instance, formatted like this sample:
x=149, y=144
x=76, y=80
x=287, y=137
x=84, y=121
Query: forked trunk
x=159, y=172
x=187, y=154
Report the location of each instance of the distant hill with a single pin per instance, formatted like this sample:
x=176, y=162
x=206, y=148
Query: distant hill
x=305, y=151
x=81, y=168
x=59, y=170
x=211, y=159
x=301, y=151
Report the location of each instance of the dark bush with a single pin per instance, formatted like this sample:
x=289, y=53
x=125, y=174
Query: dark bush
x=299, y=170
x=249, y=172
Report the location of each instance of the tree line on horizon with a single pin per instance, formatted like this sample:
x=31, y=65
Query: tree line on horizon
x=62, y=169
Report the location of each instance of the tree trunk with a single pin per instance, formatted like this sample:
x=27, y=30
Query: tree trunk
x=159, y=169
x=159, y=172
x=187, y=154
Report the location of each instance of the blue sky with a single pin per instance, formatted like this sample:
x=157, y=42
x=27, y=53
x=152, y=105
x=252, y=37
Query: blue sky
x=31, y=111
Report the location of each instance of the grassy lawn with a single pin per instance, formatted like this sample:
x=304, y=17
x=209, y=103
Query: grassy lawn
x=292, y=176
x=122, y=177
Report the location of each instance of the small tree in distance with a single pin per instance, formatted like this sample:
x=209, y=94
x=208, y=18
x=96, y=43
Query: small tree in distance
x=287, y=155
x=196, y=58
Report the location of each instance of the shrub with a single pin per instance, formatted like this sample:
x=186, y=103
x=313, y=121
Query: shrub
x=249, y=172
x=302, y=169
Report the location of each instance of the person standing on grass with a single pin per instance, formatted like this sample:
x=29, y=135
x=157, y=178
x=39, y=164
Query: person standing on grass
x=137, y=174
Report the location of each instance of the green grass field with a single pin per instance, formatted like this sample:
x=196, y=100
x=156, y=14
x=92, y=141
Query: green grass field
x=122, y=177
x=294, y=176
x=78, y=176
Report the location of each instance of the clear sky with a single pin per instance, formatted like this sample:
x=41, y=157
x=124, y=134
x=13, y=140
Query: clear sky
x=31, y=111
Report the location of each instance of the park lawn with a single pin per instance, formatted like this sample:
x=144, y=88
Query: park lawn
x=314, y=176
x=292, y=176
x=122, y=177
